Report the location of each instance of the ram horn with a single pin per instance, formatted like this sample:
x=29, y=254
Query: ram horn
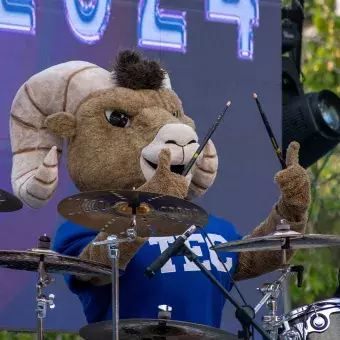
x=36, y=151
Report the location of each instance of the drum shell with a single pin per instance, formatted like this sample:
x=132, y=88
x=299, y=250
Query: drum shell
x=329, y=327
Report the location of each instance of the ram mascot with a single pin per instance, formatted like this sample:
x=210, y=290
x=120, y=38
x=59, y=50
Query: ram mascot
x=126, y=129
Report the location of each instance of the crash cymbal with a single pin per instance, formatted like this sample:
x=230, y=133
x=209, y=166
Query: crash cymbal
x=276, y=240
x=110, y=211
x=140, y=329
x=54, y=263
x=9, y=202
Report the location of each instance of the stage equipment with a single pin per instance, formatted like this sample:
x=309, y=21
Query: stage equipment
x=162, y=329
x=45, y=261
x=311, y=119
x=113, y=212
x=9, y=202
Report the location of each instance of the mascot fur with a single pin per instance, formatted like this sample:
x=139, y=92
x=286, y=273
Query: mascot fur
x=125, y=129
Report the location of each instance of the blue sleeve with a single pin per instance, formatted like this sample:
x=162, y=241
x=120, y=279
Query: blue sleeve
x=70, y=239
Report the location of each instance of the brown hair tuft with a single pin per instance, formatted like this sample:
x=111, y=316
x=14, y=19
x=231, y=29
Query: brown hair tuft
x=132, y=72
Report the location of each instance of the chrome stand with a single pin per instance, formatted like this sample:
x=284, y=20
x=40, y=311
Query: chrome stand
x=112, y=243
x=42, y=301
x=271, y=291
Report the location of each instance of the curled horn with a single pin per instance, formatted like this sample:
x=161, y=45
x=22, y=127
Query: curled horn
x=36, y=151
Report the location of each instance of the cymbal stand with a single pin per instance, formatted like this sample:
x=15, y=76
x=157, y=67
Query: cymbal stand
x=243, y=313
x=271, y=291
x=44, y=243
x=112, y=243
x=42, y=301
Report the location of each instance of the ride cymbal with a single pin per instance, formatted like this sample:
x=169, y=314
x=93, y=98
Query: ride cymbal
x=276, y=240
x=111, y=212
x=140, y=329
x=54, y=263
x=9, y=202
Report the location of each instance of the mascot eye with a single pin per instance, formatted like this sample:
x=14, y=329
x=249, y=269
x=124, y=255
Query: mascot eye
x=176, y=114
x=118, y=118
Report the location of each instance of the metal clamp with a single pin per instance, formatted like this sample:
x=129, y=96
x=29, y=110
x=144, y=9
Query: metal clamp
x=273, y=290
x=164, y=312
x=113, y=239
x=42, y=303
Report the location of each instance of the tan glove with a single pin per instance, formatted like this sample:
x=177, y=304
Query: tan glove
x=295, y=187
x=163, y=182
x=293, y=206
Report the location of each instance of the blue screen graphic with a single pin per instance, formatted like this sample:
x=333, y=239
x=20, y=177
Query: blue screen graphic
x=158, y=28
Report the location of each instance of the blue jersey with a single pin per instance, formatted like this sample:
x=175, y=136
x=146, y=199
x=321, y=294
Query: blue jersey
x=178, y=284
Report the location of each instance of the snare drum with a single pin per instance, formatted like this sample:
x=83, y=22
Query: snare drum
x=318, y=321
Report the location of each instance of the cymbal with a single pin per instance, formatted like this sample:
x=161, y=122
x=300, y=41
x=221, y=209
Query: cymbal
x=109, y=211
x=54, y=263
x=9, y=202
x=139, y=329
x=274, y=241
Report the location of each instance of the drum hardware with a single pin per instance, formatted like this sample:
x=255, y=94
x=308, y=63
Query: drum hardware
x=271, y=291
x=244, y=314
x=164, y=315
x=153, y=329
x=164, y=312
x=112, y=243
x=9, y=202
x=111, y=212
x=282, y=239
x=54, y=263
x=43, y=281
x=320, y=320
x=42, y=301
x=44, y=261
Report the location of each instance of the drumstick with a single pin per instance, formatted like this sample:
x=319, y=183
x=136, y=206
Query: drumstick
x=270, y=132
x=205, y=140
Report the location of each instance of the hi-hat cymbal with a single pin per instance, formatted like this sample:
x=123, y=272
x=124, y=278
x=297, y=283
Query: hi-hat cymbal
x=54, y=263
x=110, y=211
x=275, y=241
x=139, y=329
x=9, y=202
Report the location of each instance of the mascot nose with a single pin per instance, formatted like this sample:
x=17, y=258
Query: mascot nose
x=174, y=142
x=178, y=134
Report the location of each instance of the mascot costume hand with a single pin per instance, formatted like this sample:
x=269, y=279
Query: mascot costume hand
x=126, y=129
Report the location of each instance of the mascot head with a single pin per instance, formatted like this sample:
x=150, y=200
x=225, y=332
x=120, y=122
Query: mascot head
x=116, y=123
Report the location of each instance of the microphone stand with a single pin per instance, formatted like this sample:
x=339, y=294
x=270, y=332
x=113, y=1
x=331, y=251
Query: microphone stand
x=244, y=314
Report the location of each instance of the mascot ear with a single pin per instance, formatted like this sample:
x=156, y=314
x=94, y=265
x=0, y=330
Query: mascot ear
x=61, y=124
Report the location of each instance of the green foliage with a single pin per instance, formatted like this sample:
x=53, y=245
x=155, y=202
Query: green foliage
x=321, y=70
x=321, y=265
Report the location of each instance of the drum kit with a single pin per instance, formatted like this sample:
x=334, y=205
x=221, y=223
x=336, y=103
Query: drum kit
x=124, y=214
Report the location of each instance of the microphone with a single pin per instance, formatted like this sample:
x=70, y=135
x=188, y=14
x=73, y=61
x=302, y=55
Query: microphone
x=168, y=253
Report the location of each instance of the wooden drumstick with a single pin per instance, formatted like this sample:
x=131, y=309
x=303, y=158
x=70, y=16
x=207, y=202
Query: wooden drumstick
x=205, y=140
x=270, y=132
